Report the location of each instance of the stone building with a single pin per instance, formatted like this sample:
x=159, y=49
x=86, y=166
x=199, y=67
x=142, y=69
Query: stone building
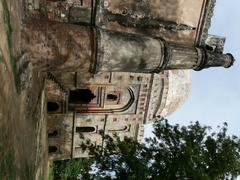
x=115, y=65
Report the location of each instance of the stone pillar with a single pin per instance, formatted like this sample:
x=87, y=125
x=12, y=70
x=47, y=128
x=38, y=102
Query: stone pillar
x=126, y=52
x=53, y=46
x=137, y=53
x=216, y=60
x=182, y=57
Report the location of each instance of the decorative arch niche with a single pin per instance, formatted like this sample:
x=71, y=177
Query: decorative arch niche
x=85, y=129
x=103, y=100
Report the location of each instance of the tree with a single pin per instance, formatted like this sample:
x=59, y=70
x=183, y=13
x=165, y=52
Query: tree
x=187, y=152
x=71, y=169
x=119, y=159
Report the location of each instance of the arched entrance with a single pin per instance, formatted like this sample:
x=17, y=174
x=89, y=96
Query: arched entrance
x=52, y=106
x=81, y=96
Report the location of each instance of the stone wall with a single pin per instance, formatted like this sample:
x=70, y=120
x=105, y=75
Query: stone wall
x=174, y=20
x=90, y=125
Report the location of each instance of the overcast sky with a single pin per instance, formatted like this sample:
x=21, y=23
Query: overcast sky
x=215, y=93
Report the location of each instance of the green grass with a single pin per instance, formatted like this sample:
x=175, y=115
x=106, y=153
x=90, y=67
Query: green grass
x=29, y=173
x=7, y=160
x=8, y=29
x=71, y=169
x=8, y=169
x=50, y=170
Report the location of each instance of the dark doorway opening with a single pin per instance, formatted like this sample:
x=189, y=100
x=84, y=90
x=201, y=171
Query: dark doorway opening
x=53, y=134
x=112, y=97
x=52, y=149
x=52, y=106
x=85, y=129
x=81, y=96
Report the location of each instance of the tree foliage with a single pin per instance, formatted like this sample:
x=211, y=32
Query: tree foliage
x=175, y=152
x=187, y=152
x=71, y=169
x=193, y=152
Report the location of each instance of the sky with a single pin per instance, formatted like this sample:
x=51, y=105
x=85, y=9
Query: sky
x=215, y=92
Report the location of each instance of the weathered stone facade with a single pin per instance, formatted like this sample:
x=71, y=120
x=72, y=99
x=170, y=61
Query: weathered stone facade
x=115, y=65
x=121, y=104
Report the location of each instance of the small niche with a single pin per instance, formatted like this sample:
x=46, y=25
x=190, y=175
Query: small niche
x=139, y=78
x=52, y=106
x=120, y=129
x=83, y=129
x=112, y=97
x=53, y=134
x=52, y=149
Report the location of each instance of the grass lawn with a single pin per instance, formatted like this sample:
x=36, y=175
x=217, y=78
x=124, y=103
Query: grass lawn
x=7, y=161
x=50, y=170
x=8, y=29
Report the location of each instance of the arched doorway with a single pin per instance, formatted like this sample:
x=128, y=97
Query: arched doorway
x=52, y=106
x=81, y=96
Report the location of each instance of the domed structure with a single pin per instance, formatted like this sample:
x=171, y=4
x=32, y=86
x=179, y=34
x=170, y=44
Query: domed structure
x=169, y=91
x=178, y=88
x=106, y=70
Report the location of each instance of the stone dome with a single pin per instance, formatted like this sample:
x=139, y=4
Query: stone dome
x=177, y=87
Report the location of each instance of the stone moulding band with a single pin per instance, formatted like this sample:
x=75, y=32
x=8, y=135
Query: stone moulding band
x=166, y=58
x=201, y=59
